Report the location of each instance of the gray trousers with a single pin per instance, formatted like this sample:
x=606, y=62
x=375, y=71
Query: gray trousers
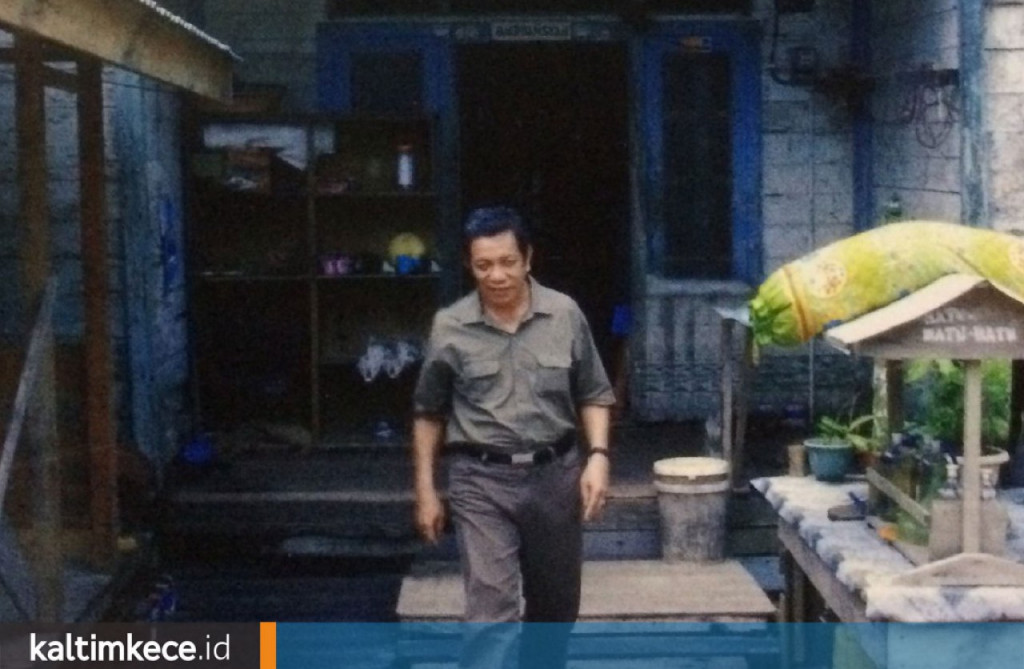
x=519, y=530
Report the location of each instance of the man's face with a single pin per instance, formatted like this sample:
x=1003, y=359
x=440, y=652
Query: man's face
x=500, y=269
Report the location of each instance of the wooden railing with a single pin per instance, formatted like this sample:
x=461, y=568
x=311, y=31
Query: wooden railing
x=37, y=591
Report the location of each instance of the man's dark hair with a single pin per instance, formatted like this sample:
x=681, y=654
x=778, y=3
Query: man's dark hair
x=491, y=221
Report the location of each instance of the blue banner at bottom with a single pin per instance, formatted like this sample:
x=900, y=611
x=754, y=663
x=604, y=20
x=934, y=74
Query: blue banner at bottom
x=638, y=645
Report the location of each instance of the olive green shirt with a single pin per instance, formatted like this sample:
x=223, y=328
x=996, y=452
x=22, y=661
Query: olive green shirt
x=511, y=391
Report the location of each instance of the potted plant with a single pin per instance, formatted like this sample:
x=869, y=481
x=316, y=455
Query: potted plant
x=935, y=389
x=831, y=451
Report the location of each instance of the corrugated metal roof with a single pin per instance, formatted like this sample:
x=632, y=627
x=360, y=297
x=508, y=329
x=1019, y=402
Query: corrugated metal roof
x=185, y=25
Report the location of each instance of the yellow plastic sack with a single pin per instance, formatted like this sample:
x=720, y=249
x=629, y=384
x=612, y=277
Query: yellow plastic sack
x=862, y=273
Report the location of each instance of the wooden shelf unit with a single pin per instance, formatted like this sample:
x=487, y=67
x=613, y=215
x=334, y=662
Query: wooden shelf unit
x=275, y=202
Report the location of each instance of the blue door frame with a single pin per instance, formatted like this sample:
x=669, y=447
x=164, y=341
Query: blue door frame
x=740, y=41
x=435, y=41
x=338, y=43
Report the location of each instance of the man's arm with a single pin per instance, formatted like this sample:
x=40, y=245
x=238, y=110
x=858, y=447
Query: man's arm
x=595, y=480
x=427, y=436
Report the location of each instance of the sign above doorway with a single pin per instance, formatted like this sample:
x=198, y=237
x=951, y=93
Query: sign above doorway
x=537, y=30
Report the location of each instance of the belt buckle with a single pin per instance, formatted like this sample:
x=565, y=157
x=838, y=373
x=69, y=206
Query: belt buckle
x=544, y=455
x=522, y=458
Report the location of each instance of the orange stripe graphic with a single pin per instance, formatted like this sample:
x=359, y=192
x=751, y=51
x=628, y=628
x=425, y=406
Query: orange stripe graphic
x=268, y=645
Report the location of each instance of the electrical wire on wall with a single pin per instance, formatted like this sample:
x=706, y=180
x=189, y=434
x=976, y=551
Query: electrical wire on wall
x=931, y=106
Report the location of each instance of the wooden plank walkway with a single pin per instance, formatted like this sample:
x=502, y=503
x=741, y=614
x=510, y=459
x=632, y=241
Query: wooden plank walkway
x=627, y=590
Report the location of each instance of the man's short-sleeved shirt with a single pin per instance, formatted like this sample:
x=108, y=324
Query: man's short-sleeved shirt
x=511, y=391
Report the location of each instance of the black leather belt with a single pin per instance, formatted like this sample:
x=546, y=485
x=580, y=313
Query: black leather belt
x=540, y=456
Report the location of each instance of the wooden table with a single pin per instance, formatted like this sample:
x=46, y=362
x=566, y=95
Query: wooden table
x=852, y=570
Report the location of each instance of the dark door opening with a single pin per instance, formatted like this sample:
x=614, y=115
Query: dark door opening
x=544, y=127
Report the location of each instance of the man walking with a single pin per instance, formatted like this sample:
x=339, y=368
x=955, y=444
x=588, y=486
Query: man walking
x=510, y=372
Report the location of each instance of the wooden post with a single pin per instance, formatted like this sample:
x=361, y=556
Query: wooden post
x=739, y=479
x=894, y=397
x=971, y=473
x=45, y=449
x=96, y=281
x=725, y=351
x=32, y=177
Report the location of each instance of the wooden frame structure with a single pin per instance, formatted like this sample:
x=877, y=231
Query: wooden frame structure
x=34, y=414
x=134, y=34
x=966, y=318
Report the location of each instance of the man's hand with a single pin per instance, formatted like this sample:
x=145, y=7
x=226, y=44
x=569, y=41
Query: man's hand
x=427, y=434
x=429, y=515
x=594, y=485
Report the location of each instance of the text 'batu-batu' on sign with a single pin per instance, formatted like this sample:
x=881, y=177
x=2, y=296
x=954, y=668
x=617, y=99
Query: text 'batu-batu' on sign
x=979, y=334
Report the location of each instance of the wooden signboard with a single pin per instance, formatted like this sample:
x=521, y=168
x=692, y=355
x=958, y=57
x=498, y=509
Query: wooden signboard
x=966, y=318
x=961, y=317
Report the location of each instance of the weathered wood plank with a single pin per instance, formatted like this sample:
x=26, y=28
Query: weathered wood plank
x=615, y=590
x=62, y=79
x=905, y=501
x=725, y=351
x=131, y=35
x=96, y=281
x=45, y=448
x=894, y=397
x=32, y=176
x=971, y=473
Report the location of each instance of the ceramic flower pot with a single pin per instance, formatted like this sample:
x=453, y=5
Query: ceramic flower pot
x=829, y=459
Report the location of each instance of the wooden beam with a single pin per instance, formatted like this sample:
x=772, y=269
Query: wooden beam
x=971, y=471
x=894, y=399
x=32, y=177
x=95, y=283
x=725, y=346
x=43, y=441
x=62, y=79
x=131, y=35
x=51, y=54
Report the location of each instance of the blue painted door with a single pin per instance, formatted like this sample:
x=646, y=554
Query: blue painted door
x=700, y=121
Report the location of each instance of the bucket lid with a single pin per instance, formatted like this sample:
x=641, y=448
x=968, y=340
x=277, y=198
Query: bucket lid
x=691, y=468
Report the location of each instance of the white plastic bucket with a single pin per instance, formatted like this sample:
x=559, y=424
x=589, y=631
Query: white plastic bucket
x=692, y=498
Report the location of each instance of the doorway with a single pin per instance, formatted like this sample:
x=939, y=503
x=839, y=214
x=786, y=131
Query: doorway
x=544, y=127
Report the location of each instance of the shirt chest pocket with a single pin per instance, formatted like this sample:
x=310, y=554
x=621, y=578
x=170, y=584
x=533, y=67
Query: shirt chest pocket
x=479, y=378
x=553, y=374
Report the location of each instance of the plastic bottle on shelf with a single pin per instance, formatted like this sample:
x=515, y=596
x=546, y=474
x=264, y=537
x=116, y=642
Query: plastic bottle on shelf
x=949, y=488
x=406, y=168
x=988, y=484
